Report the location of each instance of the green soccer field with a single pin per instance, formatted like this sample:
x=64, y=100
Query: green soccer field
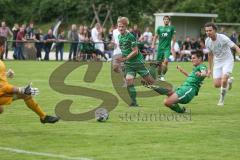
x=206, y=132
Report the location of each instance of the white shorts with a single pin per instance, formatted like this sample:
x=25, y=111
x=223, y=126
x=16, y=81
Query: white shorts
x=222, y=68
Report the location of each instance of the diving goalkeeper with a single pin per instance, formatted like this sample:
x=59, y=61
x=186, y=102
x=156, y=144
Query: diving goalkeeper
x=9, y=93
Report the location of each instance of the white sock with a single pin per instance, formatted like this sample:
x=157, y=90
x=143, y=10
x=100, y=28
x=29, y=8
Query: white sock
x=151, y=57
x=227, y=85
x=223, y=93
x=107, y=56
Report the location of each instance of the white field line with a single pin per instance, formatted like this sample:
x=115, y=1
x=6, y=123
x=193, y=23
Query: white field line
x=14, y=150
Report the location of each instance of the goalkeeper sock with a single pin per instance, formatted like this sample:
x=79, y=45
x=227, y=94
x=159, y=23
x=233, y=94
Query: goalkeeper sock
x=177, y=108
x=132, y=93
x=29, y=101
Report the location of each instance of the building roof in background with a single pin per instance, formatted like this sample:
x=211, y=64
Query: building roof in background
x=187, y=14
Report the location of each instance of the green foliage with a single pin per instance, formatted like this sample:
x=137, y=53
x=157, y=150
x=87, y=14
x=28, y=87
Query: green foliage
x=81, y=12
x=229, y=10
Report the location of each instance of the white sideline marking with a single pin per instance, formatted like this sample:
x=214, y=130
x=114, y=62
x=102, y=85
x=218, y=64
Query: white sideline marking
x=42, y=154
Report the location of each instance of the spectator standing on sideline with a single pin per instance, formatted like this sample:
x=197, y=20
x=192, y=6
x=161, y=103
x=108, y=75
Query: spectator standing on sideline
x=234, y=38
x=38, y=37
x=30, y=31
x=186, y=49
x=73, y=37
x=48, y=41
x=5, y=32
x=148, y=37
x=15, y=31
x=20, y=43
x=136, y=32
x=60, y=45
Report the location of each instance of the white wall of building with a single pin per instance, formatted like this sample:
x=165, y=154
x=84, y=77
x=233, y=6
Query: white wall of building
x=185, y=24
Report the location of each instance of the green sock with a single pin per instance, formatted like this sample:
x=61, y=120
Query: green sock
x=177, y=108
x=152, y=70
x=162, y=91
x=160, y=72
x=132, y=92
x=164, y=70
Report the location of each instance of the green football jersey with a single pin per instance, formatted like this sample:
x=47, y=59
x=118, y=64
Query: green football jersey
x=126, y=43
x=165, y=34
x=193, y=79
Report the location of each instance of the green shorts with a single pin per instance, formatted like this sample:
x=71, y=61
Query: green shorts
x=163, y=54
x=133, y=69
x=185, y=94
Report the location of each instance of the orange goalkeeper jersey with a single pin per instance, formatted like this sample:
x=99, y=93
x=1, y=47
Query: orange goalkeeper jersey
x=5, y=87
x=3, y=77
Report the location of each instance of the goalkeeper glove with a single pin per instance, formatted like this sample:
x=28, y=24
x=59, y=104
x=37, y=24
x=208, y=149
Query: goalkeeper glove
x=29, y=90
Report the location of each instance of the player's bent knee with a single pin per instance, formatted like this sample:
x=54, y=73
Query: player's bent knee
x=116, y=69
x=217, y=82
x=167, y=103
x=217, y=85
x=149, y=79
x=129, y=80
x=129, y=77
x=224, y=81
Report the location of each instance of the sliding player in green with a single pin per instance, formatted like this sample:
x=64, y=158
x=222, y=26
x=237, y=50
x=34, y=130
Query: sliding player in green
x=189, y=89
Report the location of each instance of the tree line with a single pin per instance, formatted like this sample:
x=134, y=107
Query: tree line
x=138, y=11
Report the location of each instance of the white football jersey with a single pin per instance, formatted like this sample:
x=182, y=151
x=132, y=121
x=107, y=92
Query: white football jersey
x=220, y=48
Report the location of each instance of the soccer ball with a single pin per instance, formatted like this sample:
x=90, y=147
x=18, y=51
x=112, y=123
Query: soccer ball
x=101, y=115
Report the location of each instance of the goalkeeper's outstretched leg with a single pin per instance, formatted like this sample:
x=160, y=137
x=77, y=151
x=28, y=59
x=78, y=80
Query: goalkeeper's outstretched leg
x=9, y=93
x=26, y=94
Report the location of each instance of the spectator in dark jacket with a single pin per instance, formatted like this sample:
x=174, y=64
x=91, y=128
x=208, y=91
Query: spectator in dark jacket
x=48, y=41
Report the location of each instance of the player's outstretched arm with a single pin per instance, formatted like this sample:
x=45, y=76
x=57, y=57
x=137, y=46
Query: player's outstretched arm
x=202, y=73
x=182, y=70
x=27, y=90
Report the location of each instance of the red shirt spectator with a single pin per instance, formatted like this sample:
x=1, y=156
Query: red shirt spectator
x=20, y=36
